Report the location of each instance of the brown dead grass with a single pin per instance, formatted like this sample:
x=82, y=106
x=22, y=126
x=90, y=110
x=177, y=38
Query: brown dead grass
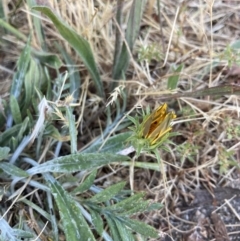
x=195, y=33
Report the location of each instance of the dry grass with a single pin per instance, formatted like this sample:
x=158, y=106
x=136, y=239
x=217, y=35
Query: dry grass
x=206, y=154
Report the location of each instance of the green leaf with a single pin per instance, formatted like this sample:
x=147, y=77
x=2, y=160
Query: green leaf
x=12, y=234
x=15, y=110
x=88, y=182
x=23, y=129
x=13, y=170
x=2, y=14
x=18, y=78
x=112, y=145
x=12, y=30
x=24, y=235
x=97, y=221
x=37, y=26
x=125, y=232
x=122, y=57
x=113, y=228
x=145, y=165
x=108, y=193
x=125, y=205
x=77, y=162
x=173, y=79
x=30, y=84
x=79, y=44
x=74, y=77
x=52, y=131
x=140, y=227
x=35, y=207
x=236, y=45
x=72, y=129
x=74, y=225
x=139, y=207
x=154, y=206
x=4, y=151
x=212, y=91
x=8, y=134
x=51, y=60
x=129, y=206
x=13, y=143
x=23, y=64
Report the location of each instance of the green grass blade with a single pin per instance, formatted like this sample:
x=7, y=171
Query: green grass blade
x=121, y=64
x=79, y=44
x=12, y=234
x=51, y=60
x=74, y=77
x=212, y=91
x=29, y=84
x=118, y=38
x=24, y=128
x=173, y=79
x=23, y=65
x=13, y=170
x=134, y=22
x=12, y=30
x=19, y=77
x=2, y=14
x=37, y=24
x=72, y=130
x=5, y=136
x=36, y=208
x=14, y=134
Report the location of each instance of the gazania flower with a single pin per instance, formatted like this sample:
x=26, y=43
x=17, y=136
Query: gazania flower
x=153, y=130
x=157, y=124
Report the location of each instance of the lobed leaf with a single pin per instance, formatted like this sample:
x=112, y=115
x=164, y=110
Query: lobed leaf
x=140, y=227
x=108, y=193
x=88, y=182
x=126, y=204
x=74, y=225
x=124, y=232
x=97, y=221
x=113, y=228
